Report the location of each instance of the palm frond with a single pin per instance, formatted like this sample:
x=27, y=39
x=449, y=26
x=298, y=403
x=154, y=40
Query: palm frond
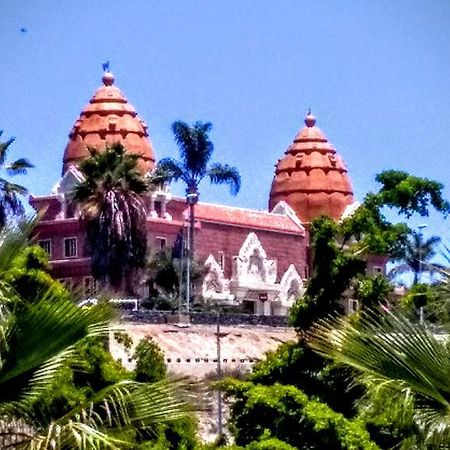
x=44, y=335
x=225, y=174
x=4, y=148
x=195, y=146
x=166, y=171
x=18, y=167
x=397, y=352
x=118, y=408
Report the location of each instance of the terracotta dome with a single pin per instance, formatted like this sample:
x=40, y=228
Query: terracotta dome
x=108, y=119
x=312, y=177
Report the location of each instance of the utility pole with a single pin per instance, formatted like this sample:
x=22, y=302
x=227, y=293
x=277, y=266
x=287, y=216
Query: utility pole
x=219, y=377
x=191, y=199
x=421, y=228
x=188, y=269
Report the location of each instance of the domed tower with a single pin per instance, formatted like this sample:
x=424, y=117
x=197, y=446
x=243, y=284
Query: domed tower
x=108, y=119
x=312, y=177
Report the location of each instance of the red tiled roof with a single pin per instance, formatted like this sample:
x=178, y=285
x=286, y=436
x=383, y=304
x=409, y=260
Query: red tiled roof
x=263, y=220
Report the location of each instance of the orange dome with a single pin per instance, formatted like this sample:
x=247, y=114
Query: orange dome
x=312, y=177
x=108, y=119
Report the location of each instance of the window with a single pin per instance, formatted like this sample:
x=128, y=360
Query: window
x=352, y=306
x=70, y=247
x=222, y=260
x=46, y=244
x=377, y=270
x=90, y=287
x=67, y=282
x=161, y=242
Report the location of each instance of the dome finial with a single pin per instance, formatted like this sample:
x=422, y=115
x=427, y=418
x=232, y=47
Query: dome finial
x=108, y=77
x=310, y=120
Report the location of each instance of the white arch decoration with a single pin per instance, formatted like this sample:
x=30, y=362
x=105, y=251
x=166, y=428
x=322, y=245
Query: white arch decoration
x=215, y=285
x=291, y=286
x=252, y=265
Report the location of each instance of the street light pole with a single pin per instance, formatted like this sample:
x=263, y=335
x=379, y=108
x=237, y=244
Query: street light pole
x=421, y=228
x=191, y=199
x=219, y=378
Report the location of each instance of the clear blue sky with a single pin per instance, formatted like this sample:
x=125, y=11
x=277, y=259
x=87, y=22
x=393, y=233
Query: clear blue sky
x=375, y=73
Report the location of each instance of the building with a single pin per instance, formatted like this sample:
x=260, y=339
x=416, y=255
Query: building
x=257, y=259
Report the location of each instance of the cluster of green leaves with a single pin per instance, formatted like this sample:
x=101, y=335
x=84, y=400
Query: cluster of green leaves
x=29, y=275
x=59, y=385
x=405, y=368
x=298, y=396
x=113, y=212
x=288, y=414
x=10, y=192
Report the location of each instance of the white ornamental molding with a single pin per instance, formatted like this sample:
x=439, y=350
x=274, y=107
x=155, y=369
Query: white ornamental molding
x=291, y=286
x=252, y=266
x=215, y=284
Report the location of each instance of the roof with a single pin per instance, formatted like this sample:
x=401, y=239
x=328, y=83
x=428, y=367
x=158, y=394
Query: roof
x=311, y=177
x=262, y=220
x=106, y=120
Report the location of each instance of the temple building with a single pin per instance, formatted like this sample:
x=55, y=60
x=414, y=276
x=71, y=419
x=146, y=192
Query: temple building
x=255, y=259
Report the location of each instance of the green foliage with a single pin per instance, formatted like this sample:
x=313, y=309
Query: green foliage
x=29, y=275
x=400, y=358
x=333, y=270
x=114, y=214
x=10, y=193
x=319, y=395
x=196, y=150
x=59, y=386
x=410, y=194
x=296, y=364
x=372, y=291
x=290, y=415
x=269, y=443
x=150, y=365
x=368, y=231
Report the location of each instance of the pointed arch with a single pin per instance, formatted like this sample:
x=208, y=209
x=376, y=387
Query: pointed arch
x=291, y=286
x=252, y=265
x=214, y=285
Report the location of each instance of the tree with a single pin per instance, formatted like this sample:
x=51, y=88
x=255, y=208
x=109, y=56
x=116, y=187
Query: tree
x=10, y=193
x=196, y=150
x=114, y=214
x=400, y=357
x=288, y=382
x=39, y=341
x=417, y=256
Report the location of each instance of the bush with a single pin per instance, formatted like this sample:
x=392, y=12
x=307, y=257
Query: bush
x=289, y=414
x=150, y=365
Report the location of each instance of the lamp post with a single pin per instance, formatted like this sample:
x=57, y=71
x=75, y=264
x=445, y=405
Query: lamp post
x=191, y=199
x=421, y=228
x=219, y=378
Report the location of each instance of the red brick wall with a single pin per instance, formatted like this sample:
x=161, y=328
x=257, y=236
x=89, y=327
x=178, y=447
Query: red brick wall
x=285, y=248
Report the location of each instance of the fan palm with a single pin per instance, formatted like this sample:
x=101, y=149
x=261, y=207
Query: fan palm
x=418, y=253
x=114, y=213
x=399, y=356
x=36, y=340
x=10, y=193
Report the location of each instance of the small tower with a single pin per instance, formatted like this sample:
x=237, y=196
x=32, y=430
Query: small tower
x=108, y=119
x=312, y=177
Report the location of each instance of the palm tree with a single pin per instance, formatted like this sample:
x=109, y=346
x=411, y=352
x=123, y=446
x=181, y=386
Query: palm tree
x=399, y=356
x=114, y=213
x=417, y=257
x=10, y=204
x=196, y=150
x=36, y=340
